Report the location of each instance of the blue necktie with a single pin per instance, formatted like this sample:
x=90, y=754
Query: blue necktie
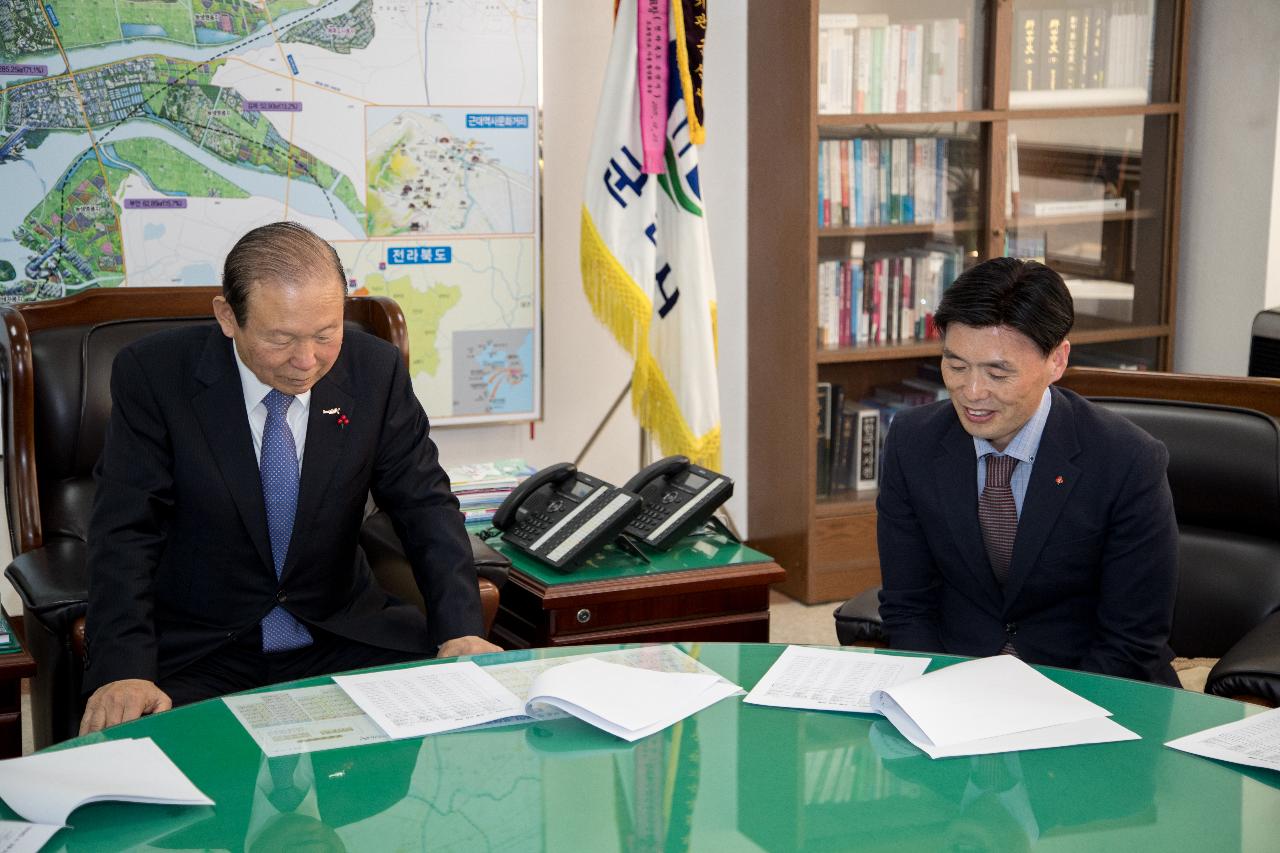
x=280, y=631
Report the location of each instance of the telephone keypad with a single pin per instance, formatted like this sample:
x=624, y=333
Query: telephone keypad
x=651, y=516
x=531, y=525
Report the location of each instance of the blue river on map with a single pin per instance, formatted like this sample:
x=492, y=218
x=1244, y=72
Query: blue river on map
x=35, y=175
x=87, y=57
x=31, y=178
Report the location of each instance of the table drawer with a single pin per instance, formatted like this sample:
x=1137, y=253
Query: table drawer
x=594, y=617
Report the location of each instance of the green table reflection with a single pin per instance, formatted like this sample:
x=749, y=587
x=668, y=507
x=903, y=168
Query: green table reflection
x=732, y=777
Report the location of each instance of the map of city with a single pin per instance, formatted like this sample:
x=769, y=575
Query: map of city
x=140, y=138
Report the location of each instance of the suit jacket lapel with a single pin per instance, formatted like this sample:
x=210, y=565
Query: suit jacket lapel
x=1045, y=496
x=219, y=407
x=326, y=441
x=955, y=467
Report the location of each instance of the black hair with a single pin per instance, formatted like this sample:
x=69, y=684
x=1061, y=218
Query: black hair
x=279, y=252
x=1026, y=296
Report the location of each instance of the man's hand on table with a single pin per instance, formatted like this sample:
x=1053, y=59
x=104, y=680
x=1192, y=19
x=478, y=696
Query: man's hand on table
x=466, y=646
x=122, y=701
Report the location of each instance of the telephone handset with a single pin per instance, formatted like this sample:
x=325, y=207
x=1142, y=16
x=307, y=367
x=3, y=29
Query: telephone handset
x=678, y=496
x=562, y=516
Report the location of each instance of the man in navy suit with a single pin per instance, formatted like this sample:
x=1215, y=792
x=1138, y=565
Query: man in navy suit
x=231, y=488
x=1069, y=560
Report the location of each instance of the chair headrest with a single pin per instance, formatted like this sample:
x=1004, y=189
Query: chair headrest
x=71, y=369
x=1224, y=461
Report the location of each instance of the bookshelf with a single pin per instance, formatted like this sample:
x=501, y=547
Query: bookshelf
x=1044, y=158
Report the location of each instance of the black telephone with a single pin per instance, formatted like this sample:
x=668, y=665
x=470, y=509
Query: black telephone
x=678, y=496
x=563, y=516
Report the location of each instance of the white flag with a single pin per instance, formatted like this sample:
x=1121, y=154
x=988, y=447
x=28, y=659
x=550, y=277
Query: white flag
x=646, y=258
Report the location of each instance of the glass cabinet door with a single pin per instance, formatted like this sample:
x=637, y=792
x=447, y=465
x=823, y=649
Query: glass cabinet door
x=1081, y=53
x=1088, y=197
x=899, y=56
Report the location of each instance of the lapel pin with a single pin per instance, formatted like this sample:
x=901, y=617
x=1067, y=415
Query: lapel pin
x=1059, y=480
x=334, y=411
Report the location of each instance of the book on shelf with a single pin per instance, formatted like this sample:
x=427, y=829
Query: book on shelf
x=856, y=466
x=866, y=182
x=1074, y=55
x=851, y=432
x=868, y=65
x=824, y=439
x=885, y=298
x=1073, y=207
x=1029, y=246
x=1105, y=358
x=933, y=390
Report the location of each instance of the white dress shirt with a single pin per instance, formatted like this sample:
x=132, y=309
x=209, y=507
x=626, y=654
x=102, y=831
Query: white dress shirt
x=255, y=390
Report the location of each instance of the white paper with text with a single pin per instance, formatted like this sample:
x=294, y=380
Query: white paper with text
x=1254, y=741
x=831, y=679
x=19, y=837
x=303, y=719
x=424, y=700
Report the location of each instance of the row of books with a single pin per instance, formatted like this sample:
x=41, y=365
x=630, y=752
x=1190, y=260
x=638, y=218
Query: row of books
x=482, y=487
x=868, y=65
x=851, y=433
x=883, y=181
x=1080, y=48
x=886, y=298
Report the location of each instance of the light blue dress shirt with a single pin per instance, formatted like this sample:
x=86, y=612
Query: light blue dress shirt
x=1023, y=447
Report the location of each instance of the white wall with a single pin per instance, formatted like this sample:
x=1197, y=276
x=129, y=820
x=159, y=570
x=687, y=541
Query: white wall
x=1230, y=242
x=723, y=168
x=584, y=368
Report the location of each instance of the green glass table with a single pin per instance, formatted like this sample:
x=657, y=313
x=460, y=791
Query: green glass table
x=732, y=777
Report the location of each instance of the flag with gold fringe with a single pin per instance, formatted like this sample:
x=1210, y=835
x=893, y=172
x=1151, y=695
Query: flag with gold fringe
x=646, y=256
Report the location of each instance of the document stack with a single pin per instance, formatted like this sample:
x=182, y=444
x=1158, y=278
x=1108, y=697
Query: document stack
x=482, y=487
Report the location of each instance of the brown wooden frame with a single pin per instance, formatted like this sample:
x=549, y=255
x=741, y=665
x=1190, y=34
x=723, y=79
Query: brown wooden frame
x=1246, y=392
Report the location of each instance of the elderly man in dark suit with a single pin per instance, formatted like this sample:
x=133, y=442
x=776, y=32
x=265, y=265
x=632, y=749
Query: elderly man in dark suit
x=1019, y=517
x=223, y=543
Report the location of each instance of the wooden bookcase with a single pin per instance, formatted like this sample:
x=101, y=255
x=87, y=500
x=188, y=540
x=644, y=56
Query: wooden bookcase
x=1128, y=150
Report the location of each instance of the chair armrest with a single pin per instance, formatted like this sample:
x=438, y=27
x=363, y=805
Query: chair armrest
x=391, y=567
x=1250, y=670
x=858, y=621
x=490, y=564
x=53, y=582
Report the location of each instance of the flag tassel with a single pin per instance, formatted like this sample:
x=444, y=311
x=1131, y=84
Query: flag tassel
x=623, y=307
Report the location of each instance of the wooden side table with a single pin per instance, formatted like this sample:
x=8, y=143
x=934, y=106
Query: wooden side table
x=707, y=588
x=14, y=667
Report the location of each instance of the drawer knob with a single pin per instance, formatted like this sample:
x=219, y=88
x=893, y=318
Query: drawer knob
x=584, y=616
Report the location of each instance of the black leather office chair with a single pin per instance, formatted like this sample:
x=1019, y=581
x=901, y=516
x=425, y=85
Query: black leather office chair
x=55, y=365
x=1224, y=472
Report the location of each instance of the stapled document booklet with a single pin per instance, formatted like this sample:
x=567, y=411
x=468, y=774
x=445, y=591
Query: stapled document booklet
x=46, y=787
x=625, y=701
x=995, y=704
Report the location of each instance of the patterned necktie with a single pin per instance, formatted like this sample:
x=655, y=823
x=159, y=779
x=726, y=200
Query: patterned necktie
x=280, y=631
x=998, y=514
